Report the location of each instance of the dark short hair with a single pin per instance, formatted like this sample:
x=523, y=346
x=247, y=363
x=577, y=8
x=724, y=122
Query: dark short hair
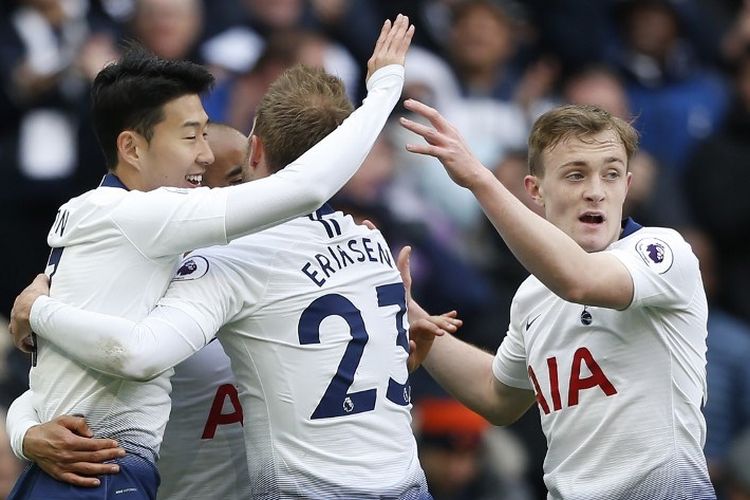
x=131, y=93
x=300, y=108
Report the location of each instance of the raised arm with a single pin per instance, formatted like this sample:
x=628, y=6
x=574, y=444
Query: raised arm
x=317, y=175
x=552, y=256
x=297, y=189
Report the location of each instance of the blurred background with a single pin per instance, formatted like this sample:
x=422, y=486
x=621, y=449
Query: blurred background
x=679, y=69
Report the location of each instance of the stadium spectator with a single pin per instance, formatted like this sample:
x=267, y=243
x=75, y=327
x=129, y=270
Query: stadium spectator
x=455, y=449
x=739, y=474
x=678, y=100
x=727, y=410
x=715, y=174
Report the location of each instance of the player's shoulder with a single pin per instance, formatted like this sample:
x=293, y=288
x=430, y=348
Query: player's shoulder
x=530, y=293
x=660, y=248
x=323, y=225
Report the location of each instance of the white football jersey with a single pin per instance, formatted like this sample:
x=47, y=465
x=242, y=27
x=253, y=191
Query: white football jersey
x=114, y=252
x=314, y=323
x=203, y=452
x=619, y=392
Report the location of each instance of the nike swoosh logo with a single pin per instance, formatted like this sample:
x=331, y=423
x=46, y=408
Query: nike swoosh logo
x=529, y=323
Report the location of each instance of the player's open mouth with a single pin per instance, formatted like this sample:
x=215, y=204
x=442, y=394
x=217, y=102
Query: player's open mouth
x=592, y=218
x=194, y=179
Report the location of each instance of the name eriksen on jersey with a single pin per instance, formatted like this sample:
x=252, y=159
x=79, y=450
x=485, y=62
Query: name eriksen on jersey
x=341, y=256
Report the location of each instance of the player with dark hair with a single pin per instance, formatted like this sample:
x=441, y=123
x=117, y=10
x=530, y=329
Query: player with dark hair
x=115, y=247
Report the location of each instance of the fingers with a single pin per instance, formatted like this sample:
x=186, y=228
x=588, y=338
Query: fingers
x=451, y=314
x=77, y=425
x=428, y=133
x=370, y=225
x=41, y=281
x=75, y=479
x=384, y=32
x=426, y=149
x=437, y=325
x=392, y=44
x=398, y=34
x=403, y=264
x=84, y=444
x=83, y=461
x=435, y=118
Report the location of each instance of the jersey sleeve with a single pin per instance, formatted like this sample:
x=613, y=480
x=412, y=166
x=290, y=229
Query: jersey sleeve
x=171, y=221
x=212, y=289
x=663, y=267
x=509, y=365
x=117, y=346
x=197, y=303
x=21, y=417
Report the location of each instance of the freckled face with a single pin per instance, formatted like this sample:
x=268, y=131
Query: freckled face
x=583, y=188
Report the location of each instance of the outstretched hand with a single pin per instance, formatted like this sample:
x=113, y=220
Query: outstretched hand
x=392, y=44
x=422, y=334
x=423, y=327
x=19, y=327
x=444, y=143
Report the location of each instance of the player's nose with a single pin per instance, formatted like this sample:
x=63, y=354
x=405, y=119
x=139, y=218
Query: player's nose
x=205, y=155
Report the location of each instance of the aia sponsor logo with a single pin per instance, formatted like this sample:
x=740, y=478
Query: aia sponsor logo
x=590, y=377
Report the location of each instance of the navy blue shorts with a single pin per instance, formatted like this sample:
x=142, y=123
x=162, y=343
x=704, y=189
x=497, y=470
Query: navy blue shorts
x=138, y=479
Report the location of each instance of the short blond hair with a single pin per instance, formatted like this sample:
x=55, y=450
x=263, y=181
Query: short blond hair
x=578, y=121
x=300, y=108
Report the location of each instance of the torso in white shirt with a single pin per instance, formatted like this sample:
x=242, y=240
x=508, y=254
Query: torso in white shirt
x=619, y=392
x=114, y=252
x=316, y=331
x=203, y=452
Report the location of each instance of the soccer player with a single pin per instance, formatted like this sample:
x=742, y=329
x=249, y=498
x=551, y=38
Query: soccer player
x=115, y=248
x=202, y=453
x=313, y=316
x=608, y=335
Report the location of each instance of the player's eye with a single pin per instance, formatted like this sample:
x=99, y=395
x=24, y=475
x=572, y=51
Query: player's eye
x=613, y=175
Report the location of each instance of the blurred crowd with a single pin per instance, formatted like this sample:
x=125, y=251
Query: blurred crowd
x=679, y=69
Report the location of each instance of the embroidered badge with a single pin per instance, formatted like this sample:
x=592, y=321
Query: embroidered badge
x=656, y=254
x=191, y=269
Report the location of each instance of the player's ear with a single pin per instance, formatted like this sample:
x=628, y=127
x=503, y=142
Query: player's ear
x=257, y=151
x=129, y=148
x=534, y=188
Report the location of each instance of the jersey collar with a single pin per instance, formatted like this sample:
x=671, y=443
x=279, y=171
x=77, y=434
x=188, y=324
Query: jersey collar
x=629, y=226
x=111, y=180
x=324, y=210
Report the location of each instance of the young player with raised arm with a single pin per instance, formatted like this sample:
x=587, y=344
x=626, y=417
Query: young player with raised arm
x=115, y=248
x=608, y=335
